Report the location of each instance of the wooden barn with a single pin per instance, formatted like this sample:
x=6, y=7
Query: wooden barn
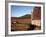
x=36, y=16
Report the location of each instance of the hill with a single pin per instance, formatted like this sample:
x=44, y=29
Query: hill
x=25, y=16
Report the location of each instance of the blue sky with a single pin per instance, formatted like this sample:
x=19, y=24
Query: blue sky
x=17, y=11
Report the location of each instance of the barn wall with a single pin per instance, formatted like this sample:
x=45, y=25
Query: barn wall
x=36, y=14
x=22, y=20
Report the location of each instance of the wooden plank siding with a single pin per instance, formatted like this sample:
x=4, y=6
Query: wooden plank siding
x=22, y=20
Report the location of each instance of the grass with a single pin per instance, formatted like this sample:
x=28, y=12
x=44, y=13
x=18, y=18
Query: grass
x=24, y=26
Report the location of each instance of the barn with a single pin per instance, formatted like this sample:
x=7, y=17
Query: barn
x=36, y=16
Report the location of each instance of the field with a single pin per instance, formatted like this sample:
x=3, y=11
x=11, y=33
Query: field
x=24, y=27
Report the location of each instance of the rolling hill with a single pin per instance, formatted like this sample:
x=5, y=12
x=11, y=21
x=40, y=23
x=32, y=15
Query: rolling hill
x=25, y=16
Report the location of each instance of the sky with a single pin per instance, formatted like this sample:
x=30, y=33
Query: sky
x=17, y=11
